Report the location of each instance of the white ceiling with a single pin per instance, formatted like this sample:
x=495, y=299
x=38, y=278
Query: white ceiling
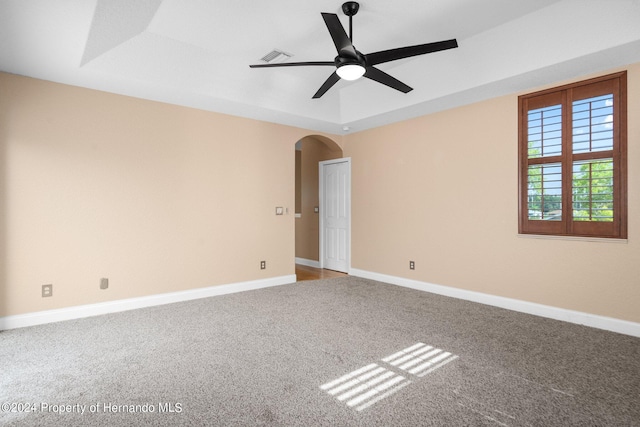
x=197, y=52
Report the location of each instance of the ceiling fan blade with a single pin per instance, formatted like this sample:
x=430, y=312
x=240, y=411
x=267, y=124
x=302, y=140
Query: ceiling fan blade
x=339, y=35
x=333, y=79
x=294, y=64
x=408, y=51
x=384, y=78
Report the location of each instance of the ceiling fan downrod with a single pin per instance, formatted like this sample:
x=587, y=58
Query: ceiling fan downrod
x=350, y=8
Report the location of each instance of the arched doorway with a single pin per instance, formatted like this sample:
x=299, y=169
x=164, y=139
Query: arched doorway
x=310, y=150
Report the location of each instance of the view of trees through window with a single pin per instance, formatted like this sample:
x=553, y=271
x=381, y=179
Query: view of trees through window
x=592, y=181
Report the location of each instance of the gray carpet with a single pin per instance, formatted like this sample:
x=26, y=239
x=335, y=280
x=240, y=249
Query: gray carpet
x=334, y=352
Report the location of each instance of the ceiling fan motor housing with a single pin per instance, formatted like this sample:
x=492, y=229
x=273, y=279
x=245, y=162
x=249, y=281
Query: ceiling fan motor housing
x=348, y=60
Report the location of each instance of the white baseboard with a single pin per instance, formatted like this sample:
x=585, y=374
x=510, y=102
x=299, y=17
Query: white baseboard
x=578, y=317
x=77, y=312
x=80, y=311
x=308, y=262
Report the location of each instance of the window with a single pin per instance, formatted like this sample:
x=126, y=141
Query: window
x=572, y=168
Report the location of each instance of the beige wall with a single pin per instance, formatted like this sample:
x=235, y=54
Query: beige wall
x=442, y=190
x=161, y=198
x=314, y=150
x=158, y=198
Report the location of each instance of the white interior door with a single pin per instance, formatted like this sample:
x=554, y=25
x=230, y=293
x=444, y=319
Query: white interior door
x=335, y=214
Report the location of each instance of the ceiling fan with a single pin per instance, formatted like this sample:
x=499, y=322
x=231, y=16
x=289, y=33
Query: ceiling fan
x=351, y=64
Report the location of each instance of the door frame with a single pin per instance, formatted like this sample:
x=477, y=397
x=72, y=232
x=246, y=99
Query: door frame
x=321, y=200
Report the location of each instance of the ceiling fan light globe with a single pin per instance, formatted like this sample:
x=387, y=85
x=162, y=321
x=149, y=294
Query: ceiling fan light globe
x=351, y=71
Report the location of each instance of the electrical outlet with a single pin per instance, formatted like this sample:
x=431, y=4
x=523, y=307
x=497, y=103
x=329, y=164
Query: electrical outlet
x=47, y=291
x=412, y=265
x=104, y=283
x=263, y=265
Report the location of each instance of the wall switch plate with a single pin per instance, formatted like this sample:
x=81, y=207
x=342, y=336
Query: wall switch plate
x=104, y=283
x=412, y=265
x=47, y=291
x=279, y=210
x=316, y=209
x=263, y=265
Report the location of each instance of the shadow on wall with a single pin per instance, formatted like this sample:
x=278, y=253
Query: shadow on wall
x=310, y=150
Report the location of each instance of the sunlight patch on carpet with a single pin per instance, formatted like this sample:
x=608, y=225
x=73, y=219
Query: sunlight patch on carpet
x=420, y=359
x=365, y=386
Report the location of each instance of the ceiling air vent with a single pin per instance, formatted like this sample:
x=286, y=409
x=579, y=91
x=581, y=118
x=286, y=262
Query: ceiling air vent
x=276, y=56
